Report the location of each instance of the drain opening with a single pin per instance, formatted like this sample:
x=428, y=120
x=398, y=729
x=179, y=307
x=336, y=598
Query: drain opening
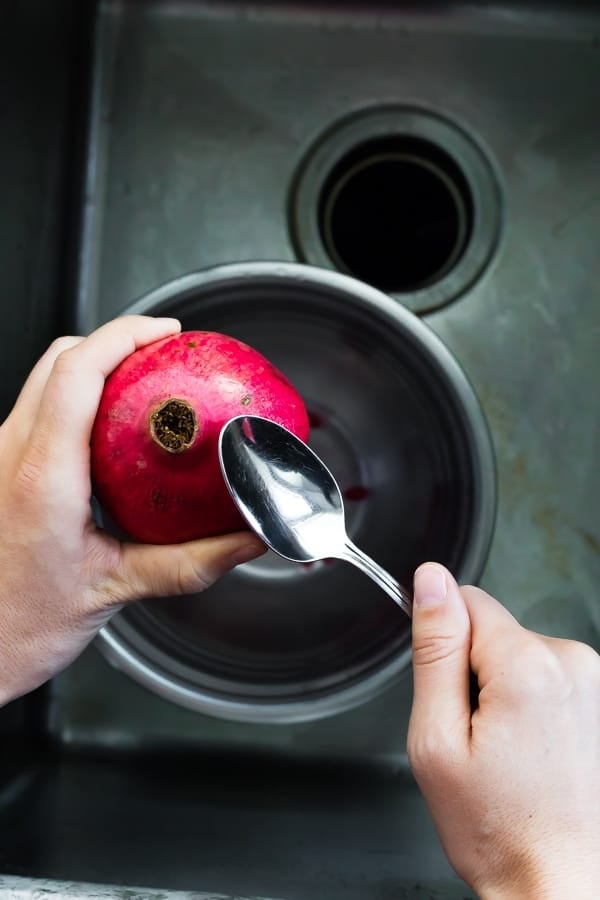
x=401, y=198
x=397, y=213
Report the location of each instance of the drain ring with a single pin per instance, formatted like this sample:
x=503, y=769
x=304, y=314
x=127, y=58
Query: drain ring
x=395, y=191
x=441, y=184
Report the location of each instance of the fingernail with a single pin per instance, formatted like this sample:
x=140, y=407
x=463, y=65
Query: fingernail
x=247, y=552
x=430, y=586
x=168, y=320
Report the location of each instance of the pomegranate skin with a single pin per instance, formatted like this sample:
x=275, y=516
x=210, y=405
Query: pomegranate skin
x=154, y=446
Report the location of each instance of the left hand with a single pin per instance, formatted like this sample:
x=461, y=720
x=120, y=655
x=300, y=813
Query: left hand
x=62, y=578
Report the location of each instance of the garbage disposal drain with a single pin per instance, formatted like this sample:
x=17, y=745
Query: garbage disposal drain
x=397, y=213
x=403, y=200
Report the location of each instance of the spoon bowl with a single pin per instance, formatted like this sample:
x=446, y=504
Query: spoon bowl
x=288, y=496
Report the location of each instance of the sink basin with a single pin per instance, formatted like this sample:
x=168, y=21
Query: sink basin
x=220, y=132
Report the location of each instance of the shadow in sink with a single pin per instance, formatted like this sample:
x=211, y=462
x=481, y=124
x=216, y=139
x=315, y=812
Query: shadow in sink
x=208, y=124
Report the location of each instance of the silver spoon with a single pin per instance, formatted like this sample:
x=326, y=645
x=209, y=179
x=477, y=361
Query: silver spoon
x=291, y=500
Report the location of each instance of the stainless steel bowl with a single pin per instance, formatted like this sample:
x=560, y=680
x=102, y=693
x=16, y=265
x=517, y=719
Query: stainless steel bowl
x=396, y=420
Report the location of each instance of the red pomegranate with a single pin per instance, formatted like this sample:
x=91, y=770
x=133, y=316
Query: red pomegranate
x=154, y=458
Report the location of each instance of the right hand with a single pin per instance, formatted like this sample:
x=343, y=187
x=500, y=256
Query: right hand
x=513, y=787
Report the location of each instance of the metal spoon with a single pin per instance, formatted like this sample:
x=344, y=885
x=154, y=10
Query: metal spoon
x=290, y=499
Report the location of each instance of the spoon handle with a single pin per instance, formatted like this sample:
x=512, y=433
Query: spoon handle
x=353, y=555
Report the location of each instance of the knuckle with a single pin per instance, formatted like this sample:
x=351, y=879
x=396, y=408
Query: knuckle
x=109, y=591
x=534, y=670
x=431, y=649
x=64, y=364
x=423, y=750
x=60, y=350
x=29, y=477
x=533, y=650
x=543, y=670
x=581, y=658
x=191, y=576
x=64, y=343
x=431, y=752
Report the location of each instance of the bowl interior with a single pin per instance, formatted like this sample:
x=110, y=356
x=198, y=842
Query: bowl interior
x=389, y=424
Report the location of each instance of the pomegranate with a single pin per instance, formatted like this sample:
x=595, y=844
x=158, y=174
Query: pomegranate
x=154, y=457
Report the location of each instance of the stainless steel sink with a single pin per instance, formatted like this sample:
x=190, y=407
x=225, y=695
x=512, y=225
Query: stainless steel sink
x=203, y=120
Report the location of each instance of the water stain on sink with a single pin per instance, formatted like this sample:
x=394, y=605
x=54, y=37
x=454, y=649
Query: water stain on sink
x=590, y=540
x=550, y=522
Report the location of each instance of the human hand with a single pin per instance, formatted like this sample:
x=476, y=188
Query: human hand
x=514, y=787
x=62, y=578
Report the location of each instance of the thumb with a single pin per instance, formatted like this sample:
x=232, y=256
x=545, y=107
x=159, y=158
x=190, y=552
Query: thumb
x=148, y=570
x=441, y=638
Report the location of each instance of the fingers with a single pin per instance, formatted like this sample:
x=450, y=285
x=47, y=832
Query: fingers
x=74, y=386
x=163, y=571
x=441, y=635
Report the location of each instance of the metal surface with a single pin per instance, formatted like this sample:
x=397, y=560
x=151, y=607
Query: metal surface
x=201, y=116
x=289, y=497
x=401, y=428
x=39, y=48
